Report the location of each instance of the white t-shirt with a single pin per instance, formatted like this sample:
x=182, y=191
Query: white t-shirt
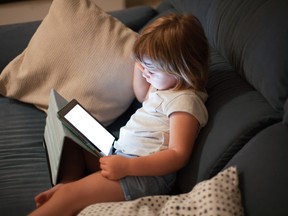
x=147, y=131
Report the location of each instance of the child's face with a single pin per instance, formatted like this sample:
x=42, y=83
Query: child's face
x=158, y=79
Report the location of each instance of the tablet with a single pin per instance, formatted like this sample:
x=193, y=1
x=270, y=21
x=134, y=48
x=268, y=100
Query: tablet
x=93, y=134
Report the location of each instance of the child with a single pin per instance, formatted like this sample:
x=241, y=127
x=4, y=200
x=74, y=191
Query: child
x=170, y=76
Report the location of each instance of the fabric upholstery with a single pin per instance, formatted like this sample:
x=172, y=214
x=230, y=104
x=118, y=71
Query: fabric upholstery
x=83, y=53
x=262, y=166
x=141, y=14
x=256, y=45
x=285, y=117
x=23, y=167
x=14, y=39
x=236, y=113
x=217, y=196
x=247, y=126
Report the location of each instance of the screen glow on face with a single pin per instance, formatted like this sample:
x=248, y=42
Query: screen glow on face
x=158, y=79
x=90, y=128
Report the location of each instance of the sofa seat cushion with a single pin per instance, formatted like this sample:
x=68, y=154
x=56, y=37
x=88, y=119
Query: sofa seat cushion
x=23, y=163
x=23, y=166
x=237, y=112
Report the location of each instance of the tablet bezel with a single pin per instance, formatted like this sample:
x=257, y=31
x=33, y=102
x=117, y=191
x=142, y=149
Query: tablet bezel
x=65, y=110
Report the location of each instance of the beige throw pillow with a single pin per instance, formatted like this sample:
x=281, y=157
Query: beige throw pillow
x=80, y=51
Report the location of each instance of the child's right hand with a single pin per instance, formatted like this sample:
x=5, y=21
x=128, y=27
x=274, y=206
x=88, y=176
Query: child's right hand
x=140, y=84
x=114, y=167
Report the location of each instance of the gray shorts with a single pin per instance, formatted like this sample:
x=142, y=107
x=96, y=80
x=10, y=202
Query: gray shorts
x=140, y=186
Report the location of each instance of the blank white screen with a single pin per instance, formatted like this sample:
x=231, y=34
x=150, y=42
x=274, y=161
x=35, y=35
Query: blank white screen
x=91, y=129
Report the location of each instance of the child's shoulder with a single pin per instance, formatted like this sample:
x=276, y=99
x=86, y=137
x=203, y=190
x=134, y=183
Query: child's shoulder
x=169, y=95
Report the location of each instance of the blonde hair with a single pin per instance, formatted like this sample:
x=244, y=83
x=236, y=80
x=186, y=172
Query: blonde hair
x=176, y=44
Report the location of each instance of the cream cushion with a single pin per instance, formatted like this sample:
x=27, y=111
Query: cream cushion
x=80, y=51
x=217, y=196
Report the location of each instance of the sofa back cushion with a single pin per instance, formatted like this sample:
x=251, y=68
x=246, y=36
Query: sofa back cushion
x=285, y=118
x=252, y=36
x=262, y=166
x=237, y=112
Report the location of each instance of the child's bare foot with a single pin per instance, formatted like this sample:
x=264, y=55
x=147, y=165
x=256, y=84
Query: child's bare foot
x=43, y=197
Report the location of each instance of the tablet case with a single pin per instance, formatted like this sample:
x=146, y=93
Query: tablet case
x=56, y=136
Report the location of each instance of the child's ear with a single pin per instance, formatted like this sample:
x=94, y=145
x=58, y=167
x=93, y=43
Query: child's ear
x=139, y=66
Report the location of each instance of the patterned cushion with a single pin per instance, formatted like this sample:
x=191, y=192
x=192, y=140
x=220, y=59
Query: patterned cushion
x=217, y=196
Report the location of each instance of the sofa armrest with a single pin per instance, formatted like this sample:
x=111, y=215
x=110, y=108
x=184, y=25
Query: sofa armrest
x=135, y=17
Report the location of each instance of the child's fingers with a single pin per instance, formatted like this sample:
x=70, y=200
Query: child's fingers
x=43, y=197
x=105, y=174
x=40, y=199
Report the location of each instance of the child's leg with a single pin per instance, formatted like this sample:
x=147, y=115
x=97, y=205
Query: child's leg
x=71, y=198
x=43, y=197
x=75, y=164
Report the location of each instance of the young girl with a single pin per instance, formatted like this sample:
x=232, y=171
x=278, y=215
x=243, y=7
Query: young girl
x=170, y=76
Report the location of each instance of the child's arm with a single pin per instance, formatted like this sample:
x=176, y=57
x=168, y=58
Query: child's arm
x=183, y=132
x=140, y=85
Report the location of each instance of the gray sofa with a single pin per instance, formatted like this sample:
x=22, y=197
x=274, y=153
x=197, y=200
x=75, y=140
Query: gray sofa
x=247, y=104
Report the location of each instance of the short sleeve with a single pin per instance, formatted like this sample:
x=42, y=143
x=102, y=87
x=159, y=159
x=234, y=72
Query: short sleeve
x=190, y=103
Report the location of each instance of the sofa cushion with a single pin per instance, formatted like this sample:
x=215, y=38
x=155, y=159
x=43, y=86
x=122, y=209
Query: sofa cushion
x=236, y=113
x=14, y=39
x=217, y=196
x=252, y=36
x=135, y=17
x=285, y=118
x=80, y=51
x=263, y=176
x=23, y=167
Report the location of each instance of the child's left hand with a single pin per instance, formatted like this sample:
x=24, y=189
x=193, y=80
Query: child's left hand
x=113, y=167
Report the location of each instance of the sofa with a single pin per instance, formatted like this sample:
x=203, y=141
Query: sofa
x=247, y=105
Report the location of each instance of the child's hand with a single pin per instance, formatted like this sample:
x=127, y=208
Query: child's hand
x=113, y=167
